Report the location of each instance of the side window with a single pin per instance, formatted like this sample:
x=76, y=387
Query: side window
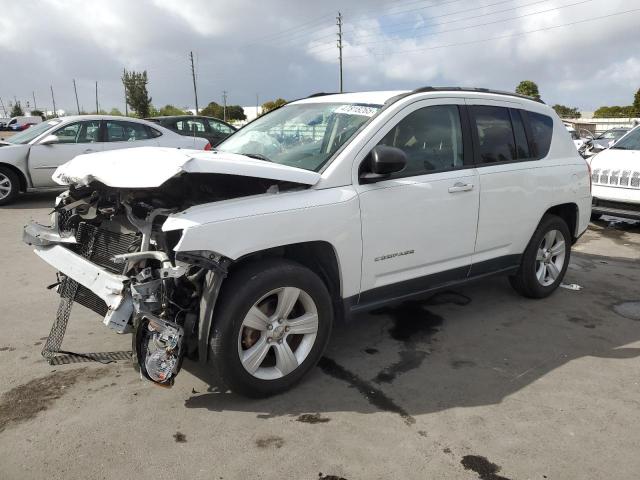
x=79, y=132
x=432, y=139
x=541, y=127
x=220, y=127
x=496, y=140
x=126, y=131
x=519, y=132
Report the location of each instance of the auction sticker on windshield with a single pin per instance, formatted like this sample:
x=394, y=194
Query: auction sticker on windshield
x=362, y=110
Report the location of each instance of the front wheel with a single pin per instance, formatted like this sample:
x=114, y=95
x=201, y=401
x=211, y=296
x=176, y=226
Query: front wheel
x=271, y=326
x=545, y=261
x=9, y=186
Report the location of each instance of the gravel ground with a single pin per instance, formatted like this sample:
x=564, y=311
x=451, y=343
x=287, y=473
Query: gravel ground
x=473, y=383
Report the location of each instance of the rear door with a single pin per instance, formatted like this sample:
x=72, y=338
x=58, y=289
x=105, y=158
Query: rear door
x=514, y=186
x=419, y=226
x=124, y=134
x=74, y=139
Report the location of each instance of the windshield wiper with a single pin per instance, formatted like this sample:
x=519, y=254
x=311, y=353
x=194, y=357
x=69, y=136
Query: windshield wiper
x=257, y=156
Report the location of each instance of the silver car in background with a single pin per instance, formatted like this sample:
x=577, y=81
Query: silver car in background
x=29, y=158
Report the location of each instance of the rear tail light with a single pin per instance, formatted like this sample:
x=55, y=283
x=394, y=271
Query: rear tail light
x=207, y=146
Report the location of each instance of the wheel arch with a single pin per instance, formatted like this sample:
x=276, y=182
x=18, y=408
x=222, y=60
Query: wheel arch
x=569, y=212
x=19, y=173
x=318, y=256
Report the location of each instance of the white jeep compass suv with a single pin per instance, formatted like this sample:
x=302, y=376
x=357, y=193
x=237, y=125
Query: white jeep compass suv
x=243, y=257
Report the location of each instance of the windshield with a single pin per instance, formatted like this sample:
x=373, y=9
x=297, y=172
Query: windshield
x=630, y=142
x=612, y=134
x=32, y=132
x=303, y=135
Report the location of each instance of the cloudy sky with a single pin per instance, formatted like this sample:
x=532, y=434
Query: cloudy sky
x=286, y=48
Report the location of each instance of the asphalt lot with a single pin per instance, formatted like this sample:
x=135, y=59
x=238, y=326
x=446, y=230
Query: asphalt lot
x=474, y=383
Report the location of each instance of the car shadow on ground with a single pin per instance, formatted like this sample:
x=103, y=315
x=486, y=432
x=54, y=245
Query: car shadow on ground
x=33, y=201
x=471, y=346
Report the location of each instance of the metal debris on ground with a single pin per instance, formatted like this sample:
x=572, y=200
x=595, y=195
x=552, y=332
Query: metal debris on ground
x=571, y=286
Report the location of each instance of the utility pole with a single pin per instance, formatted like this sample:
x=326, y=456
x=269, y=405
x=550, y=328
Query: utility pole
x=126, y=107
x=257, y=106
x=339, y=23
x=193, y=75
x=3, y=109
x=53, y=100
x=224, y=105
x=76, y=92
x=97, y=107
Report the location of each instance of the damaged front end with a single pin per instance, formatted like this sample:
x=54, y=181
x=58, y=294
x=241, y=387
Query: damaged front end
x=113, y=258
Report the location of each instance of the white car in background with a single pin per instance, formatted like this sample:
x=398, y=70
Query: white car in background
x=616, y=178
x=28, y=159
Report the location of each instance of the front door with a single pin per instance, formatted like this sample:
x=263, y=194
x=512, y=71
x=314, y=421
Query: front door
x=74, y=139
x=419, y=226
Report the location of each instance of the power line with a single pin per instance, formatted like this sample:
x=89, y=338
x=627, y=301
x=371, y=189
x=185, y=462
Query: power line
x=530, y=14
x=500, y=37
x=467, y=27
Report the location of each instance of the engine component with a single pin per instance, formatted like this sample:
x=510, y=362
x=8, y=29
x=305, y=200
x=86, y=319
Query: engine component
x=159, y=349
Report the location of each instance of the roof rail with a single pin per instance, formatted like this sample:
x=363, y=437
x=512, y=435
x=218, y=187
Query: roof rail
x=322, y=94
x=477, y=90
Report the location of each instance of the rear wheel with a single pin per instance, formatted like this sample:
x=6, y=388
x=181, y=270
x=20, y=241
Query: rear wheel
x=271, y=326
x=545, y=261
x=9, y=186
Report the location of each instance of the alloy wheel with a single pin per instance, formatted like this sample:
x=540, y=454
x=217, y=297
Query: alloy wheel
x=5, y=186
x=550, y=257
x=278, y=333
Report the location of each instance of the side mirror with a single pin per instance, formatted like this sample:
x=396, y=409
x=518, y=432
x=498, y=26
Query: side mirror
x=381, y=162
x=49, y=140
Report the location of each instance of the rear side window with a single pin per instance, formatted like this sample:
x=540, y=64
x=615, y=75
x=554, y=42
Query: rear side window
x=541, y=127
x=519, y=132
x=118, y=131
x=496, y=141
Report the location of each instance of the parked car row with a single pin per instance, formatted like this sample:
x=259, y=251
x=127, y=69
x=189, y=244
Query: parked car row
x=213, y=129
x=29, y=158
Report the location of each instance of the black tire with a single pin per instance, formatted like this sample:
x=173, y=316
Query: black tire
x=239, y=293
x=525, y=280
x=8, y=176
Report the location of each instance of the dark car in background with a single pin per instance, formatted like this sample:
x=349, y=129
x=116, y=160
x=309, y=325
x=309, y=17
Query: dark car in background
x=213, y=129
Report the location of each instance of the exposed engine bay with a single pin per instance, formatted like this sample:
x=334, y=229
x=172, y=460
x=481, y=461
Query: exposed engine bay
x=120, y=264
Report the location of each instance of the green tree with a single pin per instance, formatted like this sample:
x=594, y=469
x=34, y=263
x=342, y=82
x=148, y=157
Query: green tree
x=171, y=110
x=615, y=111
x=115, y=112
x=567, y=112
x=636, y=102
x=528, y=88
x=16, y=111
x=135, y=87
x=235, y=112
x=272, y=104
x=38, y=113
x=213, y=110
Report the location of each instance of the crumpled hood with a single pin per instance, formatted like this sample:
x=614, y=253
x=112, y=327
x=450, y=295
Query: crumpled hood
x=149, y=167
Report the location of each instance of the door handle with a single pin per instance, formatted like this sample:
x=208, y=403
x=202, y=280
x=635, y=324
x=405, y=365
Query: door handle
x=460, y=187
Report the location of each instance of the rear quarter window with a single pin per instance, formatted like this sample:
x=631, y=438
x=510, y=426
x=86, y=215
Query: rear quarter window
x=541, y=127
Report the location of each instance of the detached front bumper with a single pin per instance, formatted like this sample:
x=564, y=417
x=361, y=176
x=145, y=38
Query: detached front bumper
x=52, y=246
